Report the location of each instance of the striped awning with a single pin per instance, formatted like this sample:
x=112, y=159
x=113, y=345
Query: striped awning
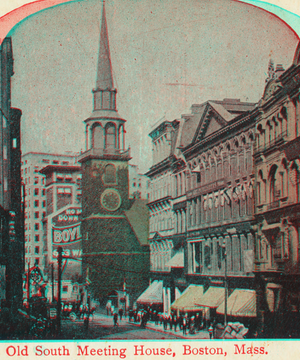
x=213, y=297
x=241, y=302
x=153, y=294
x=177, y=260
x=188, y=299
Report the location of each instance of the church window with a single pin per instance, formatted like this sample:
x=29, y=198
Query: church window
x=110, y=174
x=121, y=137
x=110, y=136
x=97, y=137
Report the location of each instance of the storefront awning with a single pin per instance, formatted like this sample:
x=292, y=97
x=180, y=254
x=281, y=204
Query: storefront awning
x=212, y=297
x=241, y=303
x=153, y=294
x=177, y=260
x=188, y=299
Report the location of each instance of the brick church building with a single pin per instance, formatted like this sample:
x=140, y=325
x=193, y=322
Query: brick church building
x=114, y=227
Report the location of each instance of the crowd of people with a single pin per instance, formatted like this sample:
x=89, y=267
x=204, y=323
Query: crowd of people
x=185, y=322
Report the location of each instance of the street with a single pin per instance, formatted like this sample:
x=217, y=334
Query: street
x=102, y=327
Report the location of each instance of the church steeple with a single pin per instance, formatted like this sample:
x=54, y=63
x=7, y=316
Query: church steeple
x=104, y=74
x=104, y=94
x=105, y=128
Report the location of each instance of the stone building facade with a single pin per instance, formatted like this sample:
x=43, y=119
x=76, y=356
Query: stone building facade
x=11, y=196
x=225, y=190
x=276, y=160
x=201, y=198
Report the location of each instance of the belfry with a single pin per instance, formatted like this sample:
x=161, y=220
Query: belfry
x=114, y=227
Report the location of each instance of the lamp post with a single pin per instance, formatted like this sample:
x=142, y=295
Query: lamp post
x=59, y=260
x=225, y=284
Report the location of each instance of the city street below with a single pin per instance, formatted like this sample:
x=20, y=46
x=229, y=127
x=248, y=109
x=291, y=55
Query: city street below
x=102, y=327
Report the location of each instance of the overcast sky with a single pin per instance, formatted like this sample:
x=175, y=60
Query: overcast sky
x=211, y=49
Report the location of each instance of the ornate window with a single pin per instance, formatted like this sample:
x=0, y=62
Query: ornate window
x=274, y=195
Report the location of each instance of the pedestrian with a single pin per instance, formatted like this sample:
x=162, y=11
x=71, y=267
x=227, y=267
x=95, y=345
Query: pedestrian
x=184, y=325
x=165, y=321
x=108, y=307
x=210, y=331
x=175, y=322
x=120, y=313
x=112, y=310
x=115, y=319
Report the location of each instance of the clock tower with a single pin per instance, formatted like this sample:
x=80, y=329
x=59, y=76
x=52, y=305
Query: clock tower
x=113, y=247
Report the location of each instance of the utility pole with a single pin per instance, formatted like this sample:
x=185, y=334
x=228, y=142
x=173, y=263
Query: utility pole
x=59, y=260
x=28, y=286
x=52, y=276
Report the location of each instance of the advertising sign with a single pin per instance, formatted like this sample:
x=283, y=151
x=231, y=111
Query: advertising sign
x=66, y=233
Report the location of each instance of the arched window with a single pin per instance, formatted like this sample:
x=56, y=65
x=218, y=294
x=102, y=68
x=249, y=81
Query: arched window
x=97, y=137
x=272, y=181
x=110, y=136
x=110, y=174
x=121, y=137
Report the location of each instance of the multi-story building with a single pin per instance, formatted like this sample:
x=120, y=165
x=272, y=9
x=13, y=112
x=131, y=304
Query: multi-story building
x=36, y=200
x=276, y=161
x=163, y=241
x=11, y=210
x=61, y=227
x=229, y=174
x=138, y=183
x=201, y=199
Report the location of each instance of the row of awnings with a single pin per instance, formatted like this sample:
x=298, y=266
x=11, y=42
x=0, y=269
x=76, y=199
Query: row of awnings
x=153, y=294
x=241, y=303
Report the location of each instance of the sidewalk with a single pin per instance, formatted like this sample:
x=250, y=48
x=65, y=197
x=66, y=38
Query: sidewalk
x=203, y=334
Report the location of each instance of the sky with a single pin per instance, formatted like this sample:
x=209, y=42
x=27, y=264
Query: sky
x=166, y=56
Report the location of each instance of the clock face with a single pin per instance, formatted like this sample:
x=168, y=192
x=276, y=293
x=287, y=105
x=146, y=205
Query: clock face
x=110, y=199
